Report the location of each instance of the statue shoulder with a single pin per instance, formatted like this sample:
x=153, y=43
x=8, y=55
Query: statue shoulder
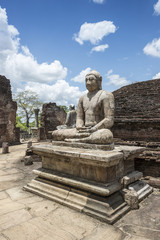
x=82, y=97
x=105, y=94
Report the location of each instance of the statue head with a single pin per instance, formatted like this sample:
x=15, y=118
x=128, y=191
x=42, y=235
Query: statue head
x=93, y=81
x=72, y=107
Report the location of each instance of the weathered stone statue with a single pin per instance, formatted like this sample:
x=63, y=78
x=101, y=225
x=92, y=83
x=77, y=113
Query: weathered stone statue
x=95, y=115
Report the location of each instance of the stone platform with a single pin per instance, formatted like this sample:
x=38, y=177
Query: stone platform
x=93, y=181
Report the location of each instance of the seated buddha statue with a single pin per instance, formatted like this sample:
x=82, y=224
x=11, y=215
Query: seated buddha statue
x=95, y=115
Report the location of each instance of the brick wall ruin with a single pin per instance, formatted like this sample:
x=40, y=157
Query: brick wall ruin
x=137, y=111
x=8, y=109
x=52, y=116
x=137, y=122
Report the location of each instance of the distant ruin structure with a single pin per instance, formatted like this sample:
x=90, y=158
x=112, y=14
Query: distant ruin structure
x=8, y=131
x=52, y=116
x=137, y=111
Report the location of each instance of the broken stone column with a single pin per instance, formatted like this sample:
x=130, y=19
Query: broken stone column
x=5, y=148
x=36, y=111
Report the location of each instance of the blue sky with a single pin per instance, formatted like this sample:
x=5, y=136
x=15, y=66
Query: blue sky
x=48, y=46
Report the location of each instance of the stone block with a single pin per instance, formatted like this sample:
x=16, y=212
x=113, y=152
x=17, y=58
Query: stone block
x=94, y=165
x=28, y=160
x=130, y=178
x=142, y=189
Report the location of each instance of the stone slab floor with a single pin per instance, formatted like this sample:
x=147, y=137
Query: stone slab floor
x=25, y=216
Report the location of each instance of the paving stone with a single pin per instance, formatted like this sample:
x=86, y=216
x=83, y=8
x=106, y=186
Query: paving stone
x=72, y=221
x=10, y=180
x=37, y=229
x=12, y=171
x=81, y=226
x=35, y=218
x=10, y=177
x=142, y=231
x=42, y=208
x=2, y=238
x=24, y=231
x=14, y=218
x=60, y=230
x=106, y=232
x=148, y=214
x=69, y=216
x=7, y=205
x=7, y=185
x=137, y=238
x=32, y=199
x=18, y=193
x=2, y=163
x=3, y=195
x=2, y=173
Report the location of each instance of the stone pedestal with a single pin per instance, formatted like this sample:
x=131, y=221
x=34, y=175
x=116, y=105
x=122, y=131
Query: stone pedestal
x=89, y=180
x=34, y=132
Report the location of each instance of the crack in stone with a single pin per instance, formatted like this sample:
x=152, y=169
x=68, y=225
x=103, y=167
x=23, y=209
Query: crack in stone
x=3, y=235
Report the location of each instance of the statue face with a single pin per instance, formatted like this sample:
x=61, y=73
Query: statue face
x=91, y=83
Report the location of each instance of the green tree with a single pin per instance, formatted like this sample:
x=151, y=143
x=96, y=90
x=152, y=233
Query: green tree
x=20, y=123
x=27, y=101
x=65, y=108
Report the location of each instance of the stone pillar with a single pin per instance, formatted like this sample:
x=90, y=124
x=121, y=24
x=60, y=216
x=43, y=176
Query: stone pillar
x=41, y=134
x=36, y=111
x=29, y=144
x=5, y=148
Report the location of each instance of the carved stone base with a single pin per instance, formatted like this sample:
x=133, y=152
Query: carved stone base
x=108, y=209
x=96, y=182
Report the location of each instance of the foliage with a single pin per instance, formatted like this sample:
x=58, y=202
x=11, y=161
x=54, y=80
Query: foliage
x=27, y=101
x=66, y=109
x=20, y=124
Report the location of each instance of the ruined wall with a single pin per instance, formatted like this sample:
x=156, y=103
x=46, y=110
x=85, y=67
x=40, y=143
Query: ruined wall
x=52, y=116
x=8, y=109
x=137, y=111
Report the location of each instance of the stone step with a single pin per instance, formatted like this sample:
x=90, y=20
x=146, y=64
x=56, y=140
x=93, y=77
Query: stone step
x=108, y=209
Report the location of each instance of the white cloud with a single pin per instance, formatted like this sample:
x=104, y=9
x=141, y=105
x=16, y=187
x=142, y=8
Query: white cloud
x=156, y=76
x=98, y=1
x=100, y=48
x=94, y=32
x=19, y=65
x=153, y=48
x=81, y=77
x=16, y=61
x=116, y=80
x=157, y=8
x=22, y=67
x=60, y=92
